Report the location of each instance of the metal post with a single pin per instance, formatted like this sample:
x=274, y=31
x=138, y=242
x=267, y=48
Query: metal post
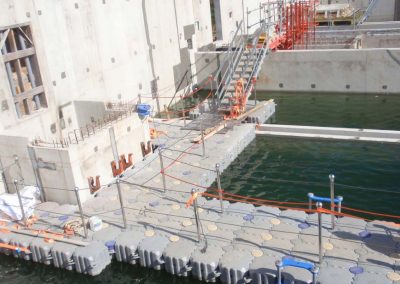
x=38, y=178
x=202, y=135
x=139, y=98
x=247, y=22
x=121, y=201
x=16, y=160
x=114, y=146
x=279, y=265
x=158, y=105
x=162, y=168
x=319, y=206
x=314, y=272
x=20, y=201
x=78, y=200
x=340, y=198
x=196, y=214
x=3, y=177
x=332, y=186
x=255, y=93
x=219, y=188
x=310, y=196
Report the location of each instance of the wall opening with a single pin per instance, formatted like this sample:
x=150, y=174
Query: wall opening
x=22, y=69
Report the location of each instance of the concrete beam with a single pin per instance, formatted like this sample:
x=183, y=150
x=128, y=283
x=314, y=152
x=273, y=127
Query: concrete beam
x=372, y=135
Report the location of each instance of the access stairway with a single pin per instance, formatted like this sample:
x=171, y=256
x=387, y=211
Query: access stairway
x=243, y=61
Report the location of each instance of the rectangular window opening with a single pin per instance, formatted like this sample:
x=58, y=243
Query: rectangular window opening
x=22, y=69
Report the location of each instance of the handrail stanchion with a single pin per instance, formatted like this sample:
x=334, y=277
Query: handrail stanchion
x=196, y=214
x=310, y=196
x=20, y=201
x=315, y=272
x=340, y=199
x=78, y=200
x=319, y=206
x=219, y=188
x=202, y=135
x=332, y=187
x=279, y=266
x=121, y=201
x=162, y=168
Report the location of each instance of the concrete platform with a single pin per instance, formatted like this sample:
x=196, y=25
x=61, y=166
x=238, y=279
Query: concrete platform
x=373, y=135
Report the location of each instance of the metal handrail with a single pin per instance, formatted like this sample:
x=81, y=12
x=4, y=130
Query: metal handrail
x=367, y=13
x=226, y=79
x=228, y=66
x=230, y=47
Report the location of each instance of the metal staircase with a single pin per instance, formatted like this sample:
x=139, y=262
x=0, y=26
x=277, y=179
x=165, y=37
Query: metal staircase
x=243, y=60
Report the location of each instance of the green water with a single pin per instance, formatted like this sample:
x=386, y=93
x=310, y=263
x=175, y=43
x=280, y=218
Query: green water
x=336, y=110
x=283, y=169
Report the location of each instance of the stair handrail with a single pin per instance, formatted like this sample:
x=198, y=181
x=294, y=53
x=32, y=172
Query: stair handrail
x=260, y=57
x=367, y=12
x=224, y=73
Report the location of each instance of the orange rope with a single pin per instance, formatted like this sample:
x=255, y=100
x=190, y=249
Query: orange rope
x=266, y=200
x=258, y=203
x=370, y=212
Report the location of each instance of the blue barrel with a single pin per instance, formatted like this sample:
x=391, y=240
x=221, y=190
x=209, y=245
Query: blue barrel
x=143, y=109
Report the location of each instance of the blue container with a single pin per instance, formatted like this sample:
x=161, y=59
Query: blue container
x=143, y=109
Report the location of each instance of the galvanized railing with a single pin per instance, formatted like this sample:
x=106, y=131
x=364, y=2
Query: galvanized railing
x=224, y=74
x=84, y=132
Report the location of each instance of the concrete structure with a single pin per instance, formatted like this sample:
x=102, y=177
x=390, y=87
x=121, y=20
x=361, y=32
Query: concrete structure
x=384, y=10
x=372, y=135
x=347, y=71
x=68, y=66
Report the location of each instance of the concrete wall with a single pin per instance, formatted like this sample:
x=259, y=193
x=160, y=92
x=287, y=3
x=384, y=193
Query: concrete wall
x=207, y=63
x=383, y=11
x=231, y=12
x=380, y=41
x=350, y=71
x=11, y=147
x=64, y=168
x=102, y=50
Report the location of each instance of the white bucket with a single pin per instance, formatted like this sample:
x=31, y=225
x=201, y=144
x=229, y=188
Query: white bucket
x=95, y=223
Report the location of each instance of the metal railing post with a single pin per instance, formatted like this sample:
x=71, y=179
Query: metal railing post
x=20, y=201
x=247, y=21
x=279, y=267
x=340, y=198
x=310, y=196
x=315, y=272
x=202, y=136
x=196, y=215
x=319, y=206
x=332, y=188
x=162, y=168
x=219, y=188
x=78, y=200
x=121, y=201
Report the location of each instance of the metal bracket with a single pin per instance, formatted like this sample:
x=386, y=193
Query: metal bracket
x=46, y=165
